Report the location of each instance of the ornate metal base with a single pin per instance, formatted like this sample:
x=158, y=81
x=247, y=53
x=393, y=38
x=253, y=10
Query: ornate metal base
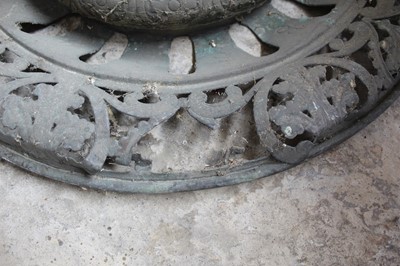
x=94, y=106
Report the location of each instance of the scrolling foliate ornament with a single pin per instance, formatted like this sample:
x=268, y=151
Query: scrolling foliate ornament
x=30, y=116
x=390, y=44
x=103, y=123
x=135, y=114
x=303, y=107
x=139, y=112
x=50, y=119
x=40, y=116
x=378, y=9
x=209, y=113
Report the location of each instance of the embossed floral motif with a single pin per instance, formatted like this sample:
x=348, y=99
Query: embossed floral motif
x=310, y=103
x=299, y=102
x=390, y=44
x=45, y=117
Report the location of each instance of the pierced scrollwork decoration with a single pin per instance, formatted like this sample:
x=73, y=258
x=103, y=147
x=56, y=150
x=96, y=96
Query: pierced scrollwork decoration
x=301, y=108
x=248, y=108
x=307, y=104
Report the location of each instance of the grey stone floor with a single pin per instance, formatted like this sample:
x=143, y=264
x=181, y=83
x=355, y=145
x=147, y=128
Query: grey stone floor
x=341, y=208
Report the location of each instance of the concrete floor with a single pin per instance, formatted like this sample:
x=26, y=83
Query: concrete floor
x=341, y=208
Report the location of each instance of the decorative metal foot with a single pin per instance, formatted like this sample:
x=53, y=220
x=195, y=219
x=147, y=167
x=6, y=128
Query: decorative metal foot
x=214, y=97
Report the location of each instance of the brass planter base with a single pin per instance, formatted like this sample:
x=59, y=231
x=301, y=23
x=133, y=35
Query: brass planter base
x=96, y=106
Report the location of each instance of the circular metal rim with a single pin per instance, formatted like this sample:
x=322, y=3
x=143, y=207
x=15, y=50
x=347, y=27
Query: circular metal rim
x=255, y=67
x=173, y=182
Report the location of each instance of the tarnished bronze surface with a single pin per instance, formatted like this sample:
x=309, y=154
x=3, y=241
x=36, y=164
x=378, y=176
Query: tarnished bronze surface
x=167, y=15
x=97, y=106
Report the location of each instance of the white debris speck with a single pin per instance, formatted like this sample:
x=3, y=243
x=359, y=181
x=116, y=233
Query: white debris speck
x=353, y=84
x=288, y=131
x=213, y=44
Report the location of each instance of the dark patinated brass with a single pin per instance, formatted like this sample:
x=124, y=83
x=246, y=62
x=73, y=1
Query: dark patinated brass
x=168, y=15
x=206, y=94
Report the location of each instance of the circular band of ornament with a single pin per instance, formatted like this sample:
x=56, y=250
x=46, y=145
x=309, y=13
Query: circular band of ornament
x=98, y=107
x=167, y=15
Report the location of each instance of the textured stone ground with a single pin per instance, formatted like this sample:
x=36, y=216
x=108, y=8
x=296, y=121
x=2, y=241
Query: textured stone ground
x=341, y=208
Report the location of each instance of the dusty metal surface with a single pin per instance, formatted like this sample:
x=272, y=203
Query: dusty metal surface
x=85, y=104
x=162, y=15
